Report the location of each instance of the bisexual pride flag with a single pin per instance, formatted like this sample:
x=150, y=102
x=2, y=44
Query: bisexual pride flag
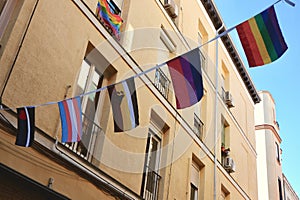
x=186, y=75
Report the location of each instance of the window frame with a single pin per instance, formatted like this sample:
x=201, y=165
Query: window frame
x=155, y=135
x=198, y=127
x=194, y=192
x=280, y=189
x=91, y=129
x=277, y=152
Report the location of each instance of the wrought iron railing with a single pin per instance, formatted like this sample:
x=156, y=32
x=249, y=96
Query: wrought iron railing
x=152, y=183
x=162, y=82
x=85, y=147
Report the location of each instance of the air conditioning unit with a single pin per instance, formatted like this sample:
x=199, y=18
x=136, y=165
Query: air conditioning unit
x=228, y=99
x=229, y=165
x=171, y=8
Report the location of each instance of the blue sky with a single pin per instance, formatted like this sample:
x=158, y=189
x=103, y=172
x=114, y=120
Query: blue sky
x=279, y=78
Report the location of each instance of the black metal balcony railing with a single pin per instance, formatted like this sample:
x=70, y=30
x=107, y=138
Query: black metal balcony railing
x=85, y=147
x=152, y=181
x=162, y=82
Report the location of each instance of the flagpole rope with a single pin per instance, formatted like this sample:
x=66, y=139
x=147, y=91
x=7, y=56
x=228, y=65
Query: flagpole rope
x=107, y=86
x=134, y=76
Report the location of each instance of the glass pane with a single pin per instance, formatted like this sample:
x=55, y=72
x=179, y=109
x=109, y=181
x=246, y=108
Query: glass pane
x=223, y=135
x=194, y=193
x=153, y=154
x=152, y=177
x=82, y=78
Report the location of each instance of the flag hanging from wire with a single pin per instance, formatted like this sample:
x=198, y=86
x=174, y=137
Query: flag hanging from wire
x=26, y=126
x=261, y=38
x=71, y=121
x=124, y=105
x=186, y=75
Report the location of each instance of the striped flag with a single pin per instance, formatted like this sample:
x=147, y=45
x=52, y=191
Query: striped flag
x=71, y=122
x=124, y=105
x=261, y=38
x=26, y=126
x=186, y=75
x=111, y=19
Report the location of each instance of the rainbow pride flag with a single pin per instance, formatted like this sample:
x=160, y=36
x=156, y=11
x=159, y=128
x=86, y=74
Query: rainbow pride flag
x=261, y=38
x=186, y=75
x=107, y=15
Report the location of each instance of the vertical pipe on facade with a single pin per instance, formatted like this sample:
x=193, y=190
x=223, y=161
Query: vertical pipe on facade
x=172, y=156
x=215, y=118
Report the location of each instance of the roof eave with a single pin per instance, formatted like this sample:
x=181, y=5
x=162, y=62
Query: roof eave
x=229, y=45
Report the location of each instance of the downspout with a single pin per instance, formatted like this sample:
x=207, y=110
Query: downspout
x=216, y=113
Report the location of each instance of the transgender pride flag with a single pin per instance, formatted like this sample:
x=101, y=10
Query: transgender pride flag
x=71, y=122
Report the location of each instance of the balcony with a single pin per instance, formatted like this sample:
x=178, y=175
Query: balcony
x=152, y=182
x=162, y=83
x=90, y=132
x=113, y=8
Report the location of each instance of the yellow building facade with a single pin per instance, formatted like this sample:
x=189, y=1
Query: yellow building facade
x=54, y=50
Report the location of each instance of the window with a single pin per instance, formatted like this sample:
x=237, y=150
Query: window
x=203, y=38
x=277, y=152
x=200, y=39
x=224, y=140
x=279, y=188
x=6, y=10
x=89, y=79
x=222, y=84
x=194, y=192
x=94, y=73
x=224, y=81
x=115, y=6
x=195, y=180
x=161, y=82
x=202, y=54
x=198, y=127
x=225, y=133
x=151, y=177
x=224, y=193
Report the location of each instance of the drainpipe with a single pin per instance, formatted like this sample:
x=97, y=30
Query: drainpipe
x=216, y=113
